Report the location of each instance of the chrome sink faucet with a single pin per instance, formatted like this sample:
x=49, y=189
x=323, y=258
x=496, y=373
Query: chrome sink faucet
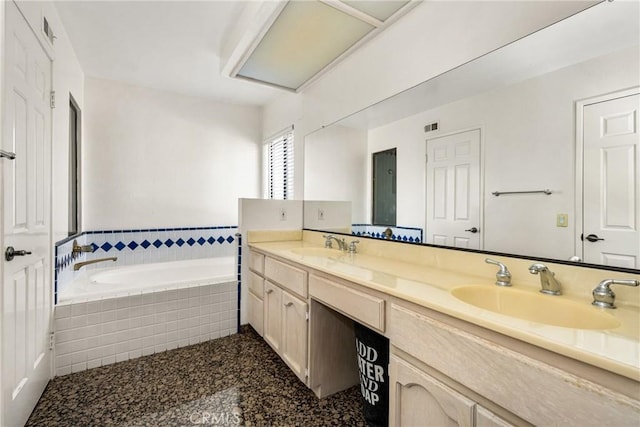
x=604, y=297
x=342, y=244
x=503, y=276
x=548, y=281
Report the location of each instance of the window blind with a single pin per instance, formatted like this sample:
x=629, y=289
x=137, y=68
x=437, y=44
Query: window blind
x=280, y=166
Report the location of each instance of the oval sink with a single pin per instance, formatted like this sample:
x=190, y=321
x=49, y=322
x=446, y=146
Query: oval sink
x=321, y=252
x=535, y=307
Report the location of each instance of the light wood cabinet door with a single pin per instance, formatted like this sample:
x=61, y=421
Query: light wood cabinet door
x=417, y=399
x=256, y=313
x=294, y=334
x=486, y=418
x=272, y=315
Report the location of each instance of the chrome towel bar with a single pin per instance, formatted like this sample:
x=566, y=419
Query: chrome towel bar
x=498, y=193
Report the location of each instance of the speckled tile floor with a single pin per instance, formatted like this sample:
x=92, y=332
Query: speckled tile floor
x=236, y=380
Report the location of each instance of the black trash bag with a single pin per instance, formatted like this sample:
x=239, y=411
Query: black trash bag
x=372, y=350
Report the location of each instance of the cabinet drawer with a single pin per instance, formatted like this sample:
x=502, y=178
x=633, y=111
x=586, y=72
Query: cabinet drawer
x=288, y=277
x=256, y=262
x=256, y=284
x=364, y=308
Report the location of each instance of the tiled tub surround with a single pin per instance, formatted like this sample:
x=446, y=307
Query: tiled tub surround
x=401, y=234
x=100, y=332
x=142, y=247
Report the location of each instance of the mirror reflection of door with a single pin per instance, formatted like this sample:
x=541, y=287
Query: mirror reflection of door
x=453, y=190
x=384, y=187
x=611, y=195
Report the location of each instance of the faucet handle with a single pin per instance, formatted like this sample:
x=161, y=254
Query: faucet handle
x=327, y=242
x=604, y=297
x=503, y=276
x=352, y=246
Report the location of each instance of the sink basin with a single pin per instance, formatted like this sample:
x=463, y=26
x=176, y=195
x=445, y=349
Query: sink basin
x=535, y=307
x=323, y=252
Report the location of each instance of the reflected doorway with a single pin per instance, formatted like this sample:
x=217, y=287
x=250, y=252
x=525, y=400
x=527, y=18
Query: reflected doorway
x=384, y=187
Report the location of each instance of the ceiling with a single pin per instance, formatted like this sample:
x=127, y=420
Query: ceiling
x=166, y=45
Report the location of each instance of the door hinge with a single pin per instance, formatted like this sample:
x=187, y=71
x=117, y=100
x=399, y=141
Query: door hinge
x=52, y=340
x=426, y=158
x=306, y=315
x=52, y=99
x=306, y=372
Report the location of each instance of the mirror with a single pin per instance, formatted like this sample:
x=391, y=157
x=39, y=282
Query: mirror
x=504, y=145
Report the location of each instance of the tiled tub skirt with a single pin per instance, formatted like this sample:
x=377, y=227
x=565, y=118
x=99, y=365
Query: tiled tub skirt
x=96, y=333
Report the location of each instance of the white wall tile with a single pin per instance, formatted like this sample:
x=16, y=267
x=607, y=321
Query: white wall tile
x=118, y=330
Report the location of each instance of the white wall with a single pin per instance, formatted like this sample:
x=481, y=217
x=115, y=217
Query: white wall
x=328, y=215
x=335, y=167
x=529, y=143
x=157, y=159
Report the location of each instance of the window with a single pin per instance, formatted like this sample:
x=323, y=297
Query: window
x=280, y=166
x=74, y=167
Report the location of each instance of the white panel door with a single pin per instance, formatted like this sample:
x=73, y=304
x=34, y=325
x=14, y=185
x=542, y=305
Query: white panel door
x=26, y=285
x=453, y=190
x=611, y=189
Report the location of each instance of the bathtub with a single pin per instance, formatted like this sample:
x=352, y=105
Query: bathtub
x=143, y=278
x=115, y=314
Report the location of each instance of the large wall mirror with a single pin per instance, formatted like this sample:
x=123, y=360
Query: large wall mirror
x=531, y=150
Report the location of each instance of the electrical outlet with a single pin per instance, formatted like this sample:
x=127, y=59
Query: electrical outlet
x=283, y=214
x=562, y=220
x=321, y=214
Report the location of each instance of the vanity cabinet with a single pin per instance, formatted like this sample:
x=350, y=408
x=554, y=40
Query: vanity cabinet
x=286, y=314
x=443, y=370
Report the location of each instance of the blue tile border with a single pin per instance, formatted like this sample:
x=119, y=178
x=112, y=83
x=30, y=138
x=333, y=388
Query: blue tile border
x=401, y=234
x=139, y=246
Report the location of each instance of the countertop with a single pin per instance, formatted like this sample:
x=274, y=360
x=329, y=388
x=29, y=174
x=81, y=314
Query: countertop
x=616, y=350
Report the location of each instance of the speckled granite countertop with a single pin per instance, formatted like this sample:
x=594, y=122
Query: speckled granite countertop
x=616, y=349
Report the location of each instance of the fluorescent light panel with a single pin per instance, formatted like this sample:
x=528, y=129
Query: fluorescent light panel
x=307, y=36
x=379, y=9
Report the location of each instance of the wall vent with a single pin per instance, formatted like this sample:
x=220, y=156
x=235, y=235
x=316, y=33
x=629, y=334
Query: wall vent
x=432, y=127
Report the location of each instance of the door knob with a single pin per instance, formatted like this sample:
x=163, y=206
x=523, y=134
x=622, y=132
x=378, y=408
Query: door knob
x=473, y=230
x=11, y=253
x=593, y=238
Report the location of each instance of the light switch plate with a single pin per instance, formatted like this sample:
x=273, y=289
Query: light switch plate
x=562, y=220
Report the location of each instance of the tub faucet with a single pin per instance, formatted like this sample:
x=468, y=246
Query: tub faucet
x=79, y=249
x=342, y=244
x=548, y=281
x=78, y=265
